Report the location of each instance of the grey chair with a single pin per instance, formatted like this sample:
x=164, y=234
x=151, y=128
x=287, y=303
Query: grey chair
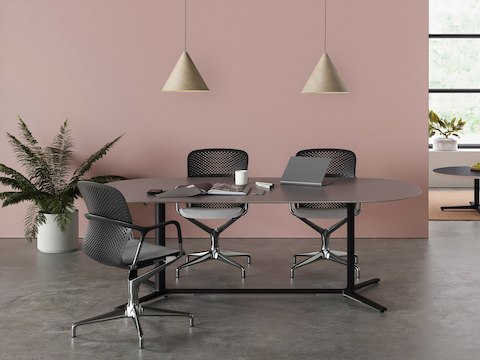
x=109, y=240
x=214, y=163
x=343, y=164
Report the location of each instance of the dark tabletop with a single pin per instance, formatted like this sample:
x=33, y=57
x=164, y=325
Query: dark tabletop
x=457, y=171
x=354, y=190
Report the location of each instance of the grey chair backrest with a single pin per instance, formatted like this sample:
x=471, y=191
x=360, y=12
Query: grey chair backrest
x=105, y=242
x=343, y=164
x=218, y=162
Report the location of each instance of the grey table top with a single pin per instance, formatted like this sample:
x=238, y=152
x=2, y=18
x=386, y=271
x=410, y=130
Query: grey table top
x=457, y=171
x=356, y=190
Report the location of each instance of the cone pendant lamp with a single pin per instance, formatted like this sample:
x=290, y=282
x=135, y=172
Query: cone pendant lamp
x=185, y=76
x=324, y=78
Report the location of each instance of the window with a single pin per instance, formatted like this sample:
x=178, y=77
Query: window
x=454, y=67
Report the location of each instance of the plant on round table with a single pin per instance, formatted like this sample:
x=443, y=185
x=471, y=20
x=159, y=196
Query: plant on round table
x=49, y=182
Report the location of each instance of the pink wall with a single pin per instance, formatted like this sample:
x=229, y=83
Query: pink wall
x=102, y=64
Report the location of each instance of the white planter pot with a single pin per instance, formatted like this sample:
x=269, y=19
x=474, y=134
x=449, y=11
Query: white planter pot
x=51, y=239
x=445, y=144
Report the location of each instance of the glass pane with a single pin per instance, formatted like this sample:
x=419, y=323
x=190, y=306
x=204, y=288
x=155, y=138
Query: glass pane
x=454, y=63
x=465, y=106
x=454, y=16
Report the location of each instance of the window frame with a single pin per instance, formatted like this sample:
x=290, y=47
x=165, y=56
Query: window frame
x=455, y=90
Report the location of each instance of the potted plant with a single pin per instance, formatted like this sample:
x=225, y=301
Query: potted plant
x=50, y=185
x=445, y=128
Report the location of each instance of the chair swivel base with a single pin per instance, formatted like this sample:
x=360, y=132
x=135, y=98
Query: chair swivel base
x=342, y=254
x=333, y=255
x=222, y=255
x=134, y=312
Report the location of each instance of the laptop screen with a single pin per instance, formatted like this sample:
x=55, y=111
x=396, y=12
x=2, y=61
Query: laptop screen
x=302, y=170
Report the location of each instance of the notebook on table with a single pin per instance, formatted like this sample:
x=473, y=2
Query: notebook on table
x=302, y=170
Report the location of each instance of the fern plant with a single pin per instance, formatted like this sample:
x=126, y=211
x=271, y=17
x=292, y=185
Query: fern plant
x=49, y=181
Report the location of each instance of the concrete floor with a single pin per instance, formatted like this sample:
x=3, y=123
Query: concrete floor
x=431, y=288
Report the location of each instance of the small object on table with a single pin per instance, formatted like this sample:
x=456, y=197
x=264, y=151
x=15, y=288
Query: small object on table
x=264, y=185
x=155, y=191
x=475, y=167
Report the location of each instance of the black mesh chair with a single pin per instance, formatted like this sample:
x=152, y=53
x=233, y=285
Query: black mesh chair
x=343, y=164
x=109, y=240
x=214, y=163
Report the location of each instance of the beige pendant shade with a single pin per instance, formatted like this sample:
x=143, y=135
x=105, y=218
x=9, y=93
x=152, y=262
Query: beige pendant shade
x=185, y=76
x=324, y=79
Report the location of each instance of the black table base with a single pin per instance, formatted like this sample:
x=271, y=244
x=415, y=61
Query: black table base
x=349, y=291
x=474, y=205
x=350, y=294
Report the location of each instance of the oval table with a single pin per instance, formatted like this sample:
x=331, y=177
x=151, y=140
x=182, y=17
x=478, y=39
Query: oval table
x=463, y=171
x=335, y=190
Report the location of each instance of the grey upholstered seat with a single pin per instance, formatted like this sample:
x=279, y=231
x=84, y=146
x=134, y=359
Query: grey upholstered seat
x=342, y=164
x=214, y=163
x=202, y=213
x=319, y=213
x=148, y=253
x=109, y=240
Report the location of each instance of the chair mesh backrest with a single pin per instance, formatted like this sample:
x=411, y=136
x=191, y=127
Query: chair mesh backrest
x=104, y=242
x=216, y=163
x=342, y=164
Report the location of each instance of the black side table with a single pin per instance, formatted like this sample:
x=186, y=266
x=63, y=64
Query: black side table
x=463, y=171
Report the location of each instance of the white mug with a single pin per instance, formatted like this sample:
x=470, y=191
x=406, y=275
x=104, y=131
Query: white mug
x=241, y=177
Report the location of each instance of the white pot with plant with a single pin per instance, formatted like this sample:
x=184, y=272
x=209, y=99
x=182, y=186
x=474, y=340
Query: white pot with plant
x=50, y=185
x=446, y=129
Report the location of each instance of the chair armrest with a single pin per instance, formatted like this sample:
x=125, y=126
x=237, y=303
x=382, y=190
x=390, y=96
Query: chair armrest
x=115, y=222
x=144, y=230
x=147, y=229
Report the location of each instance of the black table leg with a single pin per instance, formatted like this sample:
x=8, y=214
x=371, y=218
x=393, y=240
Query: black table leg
x=476, y=191
x=474, y=205
x=160, y=240
x=349, y=291
x=158, y=283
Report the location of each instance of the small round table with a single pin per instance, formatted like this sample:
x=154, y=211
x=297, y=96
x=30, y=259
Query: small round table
x=463, y=171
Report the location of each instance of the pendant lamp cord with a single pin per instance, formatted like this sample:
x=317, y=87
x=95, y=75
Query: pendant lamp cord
x=325, y=32
x=185, y=40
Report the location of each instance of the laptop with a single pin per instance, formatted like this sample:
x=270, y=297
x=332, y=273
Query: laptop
x=302, y=170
